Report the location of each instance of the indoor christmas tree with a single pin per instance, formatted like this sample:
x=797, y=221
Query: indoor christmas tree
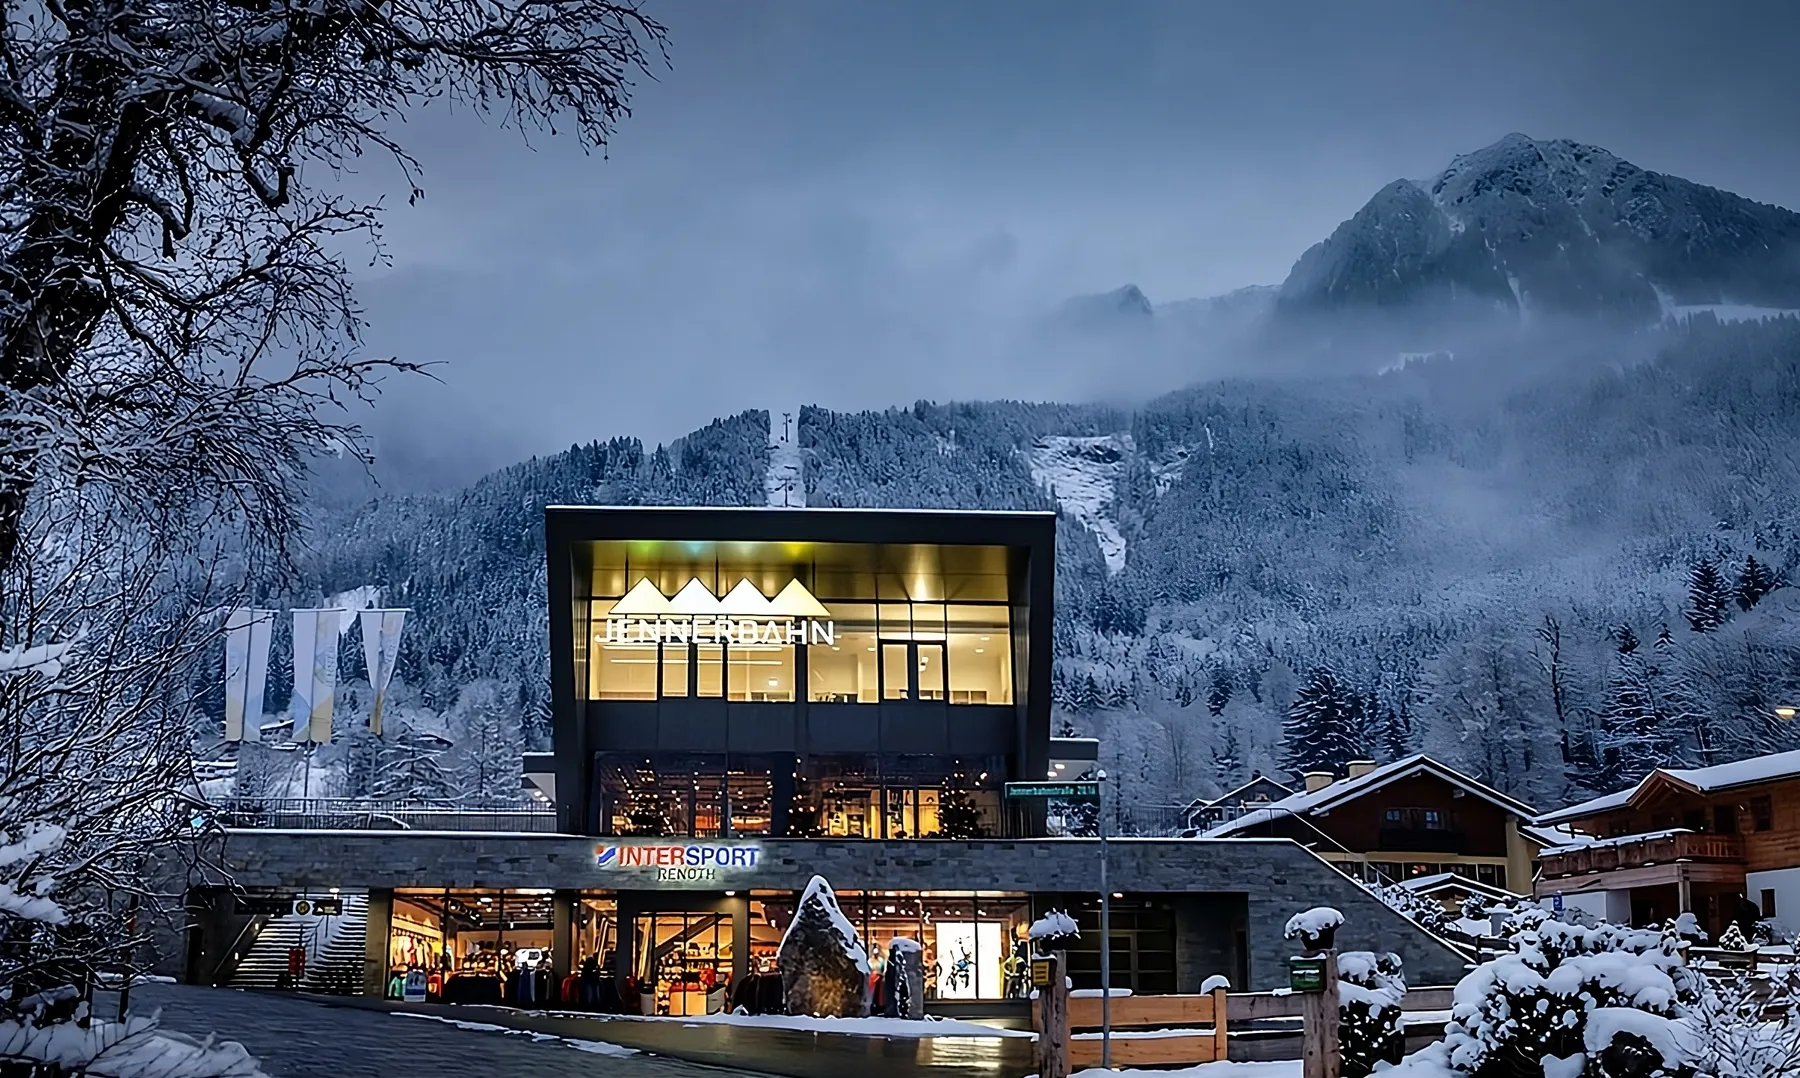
x=958, y=815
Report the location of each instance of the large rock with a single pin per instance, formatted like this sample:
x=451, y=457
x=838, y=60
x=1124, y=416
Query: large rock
x=824, y=969
x=905, y=979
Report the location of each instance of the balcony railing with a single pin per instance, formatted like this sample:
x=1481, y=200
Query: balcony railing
x=359, y=814
x=1639, y=851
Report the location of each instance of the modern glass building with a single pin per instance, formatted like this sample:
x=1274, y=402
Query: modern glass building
x=743, y=699
x=798, y=673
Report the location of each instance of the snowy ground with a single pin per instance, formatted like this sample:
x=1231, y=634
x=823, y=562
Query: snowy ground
x=855, y=1027
x=784, y=483
x=301, y=1037
x=1285, y=1068
x=1080, y=473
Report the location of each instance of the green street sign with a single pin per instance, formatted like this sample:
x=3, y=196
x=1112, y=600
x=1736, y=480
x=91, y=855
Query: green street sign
x=1070, y=790
x=1306, y=974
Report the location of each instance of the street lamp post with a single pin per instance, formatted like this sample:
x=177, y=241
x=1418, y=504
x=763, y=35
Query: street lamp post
x=1105, y=933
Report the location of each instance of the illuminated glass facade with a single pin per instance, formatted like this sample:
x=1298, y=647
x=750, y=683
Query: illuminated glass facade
x=798, y=673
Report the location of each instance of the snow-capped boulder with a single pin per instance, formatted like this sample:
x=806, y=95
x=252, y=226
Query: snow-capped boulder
x=904, y=981
x=824, y=969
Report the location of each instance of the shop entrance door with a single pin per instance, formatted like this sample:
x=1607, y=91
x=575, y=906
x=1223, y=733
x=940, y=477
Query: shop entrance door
x=683, y=959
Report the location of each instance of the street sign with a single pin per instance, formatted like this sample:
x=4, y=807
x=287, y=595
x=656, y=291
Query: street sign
x=303, y=908
x=1069, y=790
x=328, y=907
x=1040, y=973
x=1306, y=974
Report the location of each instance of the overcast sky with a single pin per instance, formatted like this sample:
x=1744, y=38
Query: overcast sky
x=852, y=203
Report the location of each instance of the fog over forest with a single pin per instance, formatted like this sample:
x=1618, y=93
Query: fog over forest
x=1506, y=471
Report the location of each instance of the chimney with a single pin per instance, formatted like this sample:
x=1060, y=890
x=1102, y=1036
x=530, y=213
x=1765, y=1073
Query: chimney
x=1359, y=768
x=1317, y=780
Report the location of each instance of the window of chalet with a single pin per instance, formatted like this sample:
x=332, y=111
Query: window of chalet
x=1694, y=820
x=1762, y=811
x=1725, y=819
x=1434, y=820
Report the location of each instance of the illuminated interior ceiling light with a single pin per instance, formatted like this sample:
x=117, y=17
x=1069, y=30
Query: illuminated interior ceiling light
x=642, y=601
x=745, y=601
x=795, y=601
x=694, y=598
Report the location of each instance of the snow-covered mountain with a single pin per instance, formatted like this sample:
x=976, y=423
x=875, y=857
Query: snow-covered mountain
x=1528, y=226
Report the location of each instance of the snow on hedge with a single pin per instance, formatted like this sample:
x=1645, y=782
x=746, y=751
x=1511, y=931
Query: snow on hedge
x=1054, y=925
x=1313, y=922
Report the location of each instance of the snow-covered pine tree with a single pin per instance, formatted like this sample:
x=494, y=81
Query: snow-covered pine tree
x=1218, y=694
x=1227, y=759
x=1707, y=597
x=1318, y=734
x=1678, y=711
x=409, y=766
x=1629, y=740
x=1756, y=581
x=486, y=760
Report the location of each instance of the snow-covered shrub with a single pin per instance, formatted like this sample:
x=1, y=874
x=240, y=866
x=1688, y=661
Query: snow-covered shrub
x=1371, y=989
x=1732, y=939
x=1314, y=928
x=1686, y=928
x=1578, y=1001
x=1743, y=1028
x=1424, y=912
x=1053, y=930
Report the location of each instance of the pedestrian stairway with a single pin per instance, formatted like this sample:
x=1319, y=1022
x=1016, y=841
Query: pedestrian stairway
x=335, y=950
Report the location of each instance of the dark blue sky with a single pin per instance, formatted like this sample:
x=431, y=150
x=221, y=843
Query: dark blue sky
x=855, y=204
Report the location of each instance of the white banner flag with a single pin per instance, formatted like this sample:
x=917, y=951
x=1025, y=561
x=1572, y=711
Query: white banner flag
x=315, y=673
x=246, y=671
x=381, y=647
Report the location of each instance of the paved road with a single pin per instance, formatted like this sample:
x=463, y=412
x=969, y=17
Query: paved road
x=787, y=1053
x=307, y=1037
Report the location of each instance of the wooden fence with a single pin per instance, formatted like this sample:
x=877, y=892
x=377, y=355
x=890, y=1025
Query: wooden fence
x=1149, y=1031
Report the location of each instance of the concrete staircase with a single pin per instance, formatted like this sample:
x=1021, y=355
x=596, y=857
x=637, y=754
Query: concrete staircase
x=335, y=950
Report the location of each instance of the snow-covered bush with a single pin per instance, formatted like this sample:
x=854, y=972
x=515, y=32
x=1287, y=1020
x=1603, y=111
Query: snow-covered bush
x=1576, y=1001
x=1424, y=912
x=1314, y=928
x=1371, y=989
x=1053, y=930
x=1732, y=939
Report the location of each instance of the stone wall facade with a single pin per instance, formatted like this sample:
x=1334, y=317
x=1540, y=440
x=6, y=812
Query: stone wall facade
x=1231, y=897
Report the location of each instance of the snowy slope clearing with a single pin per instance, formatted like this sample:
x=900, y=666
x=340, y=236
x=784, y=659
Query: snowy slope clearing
x=784, y=484
x=1079, y=473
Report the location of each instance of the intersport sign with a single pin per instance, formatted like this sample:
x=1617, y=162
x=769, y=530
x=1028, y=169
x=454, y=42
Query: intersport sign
x=693, y=862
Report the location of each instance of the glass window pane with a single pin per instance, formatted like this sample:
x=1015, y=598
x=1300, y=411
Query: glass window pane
x=843, y=671
x=931, y=671
x=896, y=621
x=674, y=669
x=760, y=672
x=710, y=660
x=623, y=671
x=894, y=681
x=980, y=658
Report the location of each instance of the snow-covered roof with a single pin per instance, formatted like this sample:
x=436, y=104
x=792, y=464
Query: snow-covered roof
x=1429, y=885
x=1308, y=802
x=1774, y=767
x=1260, y=780
x=1616, y=840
